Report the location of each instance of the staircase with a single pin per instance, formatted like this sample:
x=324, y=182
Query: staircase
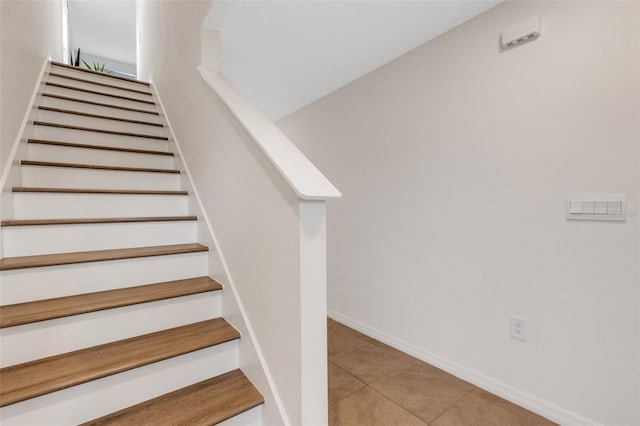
x=109, y=315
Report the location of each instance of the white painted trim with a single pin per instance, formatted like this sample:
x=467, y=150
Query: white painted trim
x=231, y=284
x=16, y=144
x=303, y=177
x=313, y=312
x=23, y=126
x=524, y=399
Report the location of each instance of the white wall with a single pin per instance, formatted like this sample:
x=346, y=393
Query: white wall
x=105, y=29
x=283, y=55
x=454, y=162
x=30, y=31
x=253, y=211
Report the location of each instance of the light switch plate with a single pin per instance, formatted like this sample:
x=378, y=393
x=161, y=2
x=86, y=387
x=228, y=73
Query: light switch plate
x=597, y=206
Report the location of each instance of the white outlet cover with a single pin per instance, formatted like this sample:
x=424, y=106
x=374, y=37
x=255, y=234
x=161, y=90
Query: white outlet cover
x=518, y=328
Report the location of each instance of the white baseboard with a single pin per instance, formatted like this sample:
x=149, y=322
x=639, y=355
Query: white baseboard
x=517, y=396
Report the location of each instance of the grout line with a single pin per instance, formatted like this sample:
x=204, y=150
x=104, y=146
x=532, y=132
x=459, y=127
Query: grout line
x=407, y=365
x=401, y=404
x=349, y=373
x=452, y=405
x=395, y=403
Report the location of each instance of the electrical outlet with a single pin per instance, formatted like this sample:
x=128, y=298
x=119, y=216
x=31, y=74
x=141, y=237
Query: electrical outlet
x=518, y=327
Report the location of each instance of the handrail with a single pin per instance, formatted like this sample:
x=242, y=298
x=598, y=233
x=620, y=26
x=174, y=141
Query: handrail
x=303, y=177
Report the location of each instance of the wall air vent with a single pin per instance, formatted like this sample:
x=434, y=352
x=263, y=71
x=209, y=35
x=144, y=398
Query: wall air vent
x=521, y=32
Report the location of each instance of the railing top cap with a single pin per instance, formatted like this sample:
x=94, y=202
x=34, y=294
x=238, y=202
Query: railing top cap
x=303, y=177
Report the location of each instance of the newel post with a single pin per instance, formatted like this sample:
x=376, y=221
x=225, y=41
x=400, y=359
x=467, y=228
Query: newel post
x=313, y=312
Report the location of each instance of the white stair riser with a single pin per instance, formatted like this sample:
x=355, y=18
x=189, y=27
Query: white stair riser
x=100, y=397
x=61, y=205
x=251, y=417
x=24, y=285
x=98, y=123
x=97, y=138
x=38, y=340
x=70, y=177
x=99, y=88
x=96, y=109
x=110, y=100
x=63, y=154
x=99, y=78
x=45, y=239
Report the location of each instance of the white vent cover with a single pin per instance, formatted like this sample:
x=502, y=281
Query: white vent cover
x=521, y=32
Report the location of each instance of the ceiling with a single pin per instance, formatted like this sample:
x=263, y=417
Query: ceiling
x=104, y=28
x=283, y=55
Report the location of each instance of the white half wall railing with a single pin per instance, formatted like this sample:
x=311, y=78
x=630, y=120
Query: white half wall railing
x=313, y=189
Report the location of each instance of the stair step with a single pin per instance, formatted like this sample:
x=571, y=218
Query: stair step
x=42, y=310
x=96, y=166
x=97, y=191
x=102, y=104
x=60, y=203
x=92, y=117
x=105, y=117
x=43, y=376
x=205, y=403
x=100, y=93
x=101, y=74
x=91, y=129
x=22, y=262
x=107, y=148
x=111, y=86
x=87, y=86
x=62, y=174
x=90, y=153
x=83, y=221
x=20, y=241
x=26, y=285
x=63, y=134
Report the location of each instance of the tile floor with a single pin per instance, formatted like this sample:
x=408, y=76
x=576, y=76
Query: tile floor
x=372, y=384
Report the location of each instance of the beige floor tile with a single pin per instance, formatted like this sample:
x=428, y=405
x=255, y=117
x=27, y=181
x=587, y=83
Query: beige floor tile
x=423, y=389
x=341, y=338
x=480, y=408
x=341, y=383
x=368, y=408
x=370, y=361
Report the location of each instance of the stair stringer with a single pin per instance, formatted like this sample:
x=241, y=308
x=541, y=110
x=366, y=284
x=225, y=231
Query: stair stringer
x=11, y=175
x=252, y=361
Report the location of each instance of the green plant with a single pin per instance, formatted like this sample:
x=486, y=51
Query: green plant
x=96, y=66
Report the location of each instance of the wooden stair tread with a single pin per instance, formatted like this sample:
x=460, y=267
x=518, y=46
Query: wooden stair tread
x=97, y=92
x=96, y=167
x=83, y=221
x=105, y=148
x=205, y=403
x=130, y=80
x=93, y=129
x=21, y=262
x=105, y=117
x=46, y=375
x=97, y=191
x=42, y=310
x=99, y=83
x=102, y=104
